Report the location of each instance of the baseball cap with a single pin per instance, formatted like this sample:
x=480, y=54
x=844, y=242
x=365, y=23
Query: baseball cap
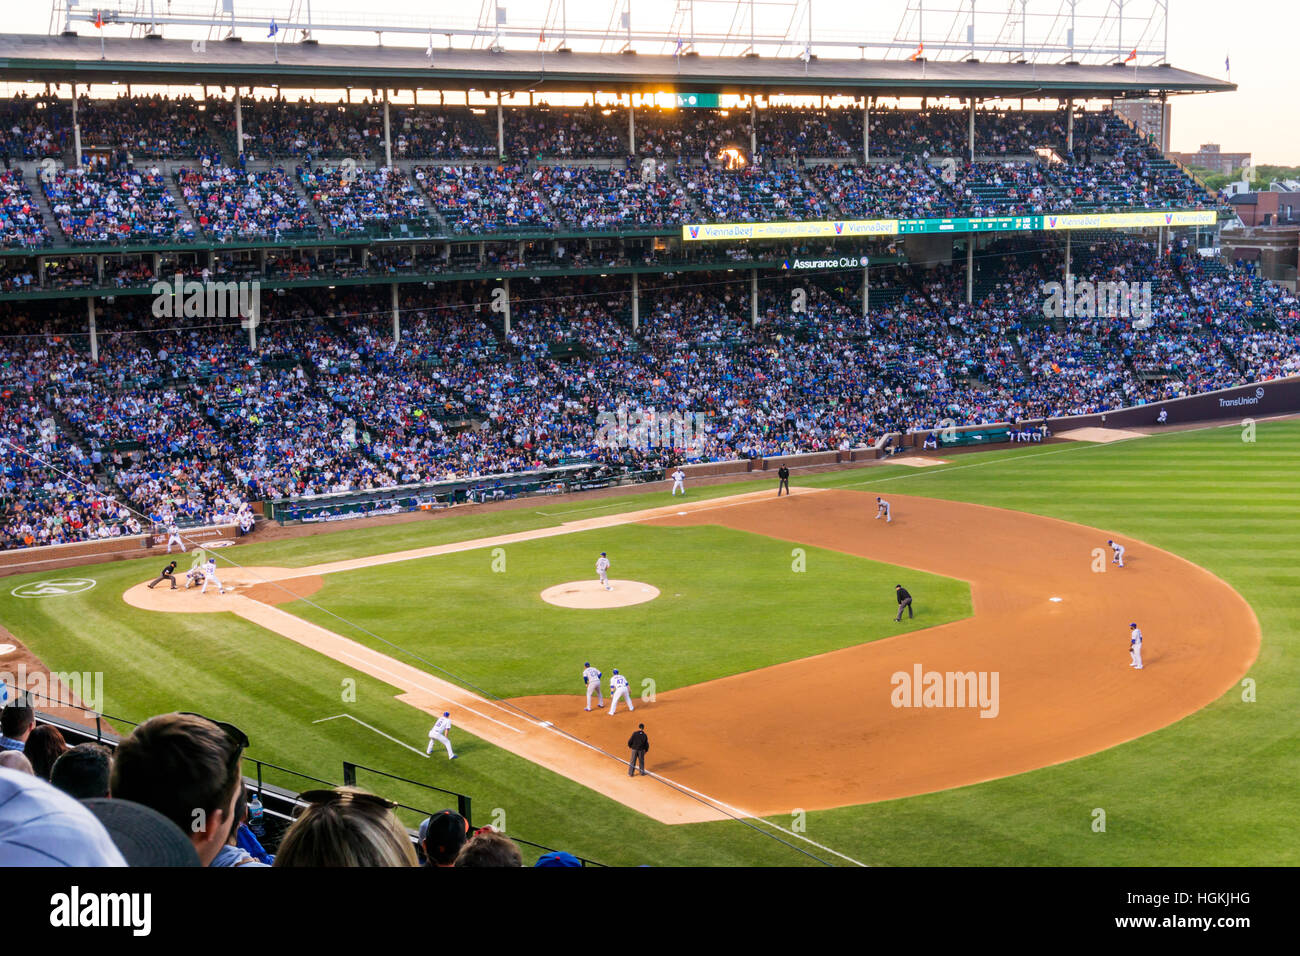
x=446, y=713
x=41, y=825
x=588, y=664
x=1134, y=624
x=602, y=554
x=557, y=858
x=615, y=670
x=143, y=835
x=444, y=834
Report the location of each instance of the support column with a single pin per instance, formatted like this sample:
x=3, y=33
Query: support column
x=970, y=132
x=261, y=261
x=388, y=137
x=239, y=125
x=970, y=267
x=501, y=129
x=753, y=128
x=76, y=127
x=631, y=128
x=40, y=268
x=506, y=285
x=636, y=303
x=397, y=317
x=1068, y=272
x=99, y=269
x=866, y=130
x=1069, y=127
x=753, y=297
x=866, y=289
x=94, y=334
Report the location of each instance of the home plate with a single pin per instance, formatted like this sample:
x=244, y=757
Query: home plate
x=592, y=594
x=1055, y=599
x=681, y=512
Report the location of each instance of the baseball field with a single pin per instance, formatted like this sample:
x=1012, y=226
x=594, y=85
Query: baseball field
x=759, y=639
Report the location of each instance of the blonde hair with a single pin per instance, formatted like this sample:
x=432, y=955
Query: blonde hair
x=346, y=832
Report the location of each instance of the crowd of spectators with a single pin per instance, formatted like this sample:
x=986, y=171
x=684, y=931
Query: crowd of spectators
x=351, y=198
x=21, y=223
x=182, y=418
x=232, y=203
x=98, y=204
x=477, y=198
x=146, y=127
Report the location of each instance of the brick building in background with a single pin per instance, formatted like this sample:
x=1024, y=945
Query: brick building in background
x=1210, y=156
x=1151, y=117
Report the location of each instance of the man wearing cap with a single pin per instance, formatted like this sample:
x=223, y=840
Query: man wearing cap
x=439, y=734
x=591, y=677
x=639, y=744
x=904, y=601
x=1135, y=646
x=442, y=835
x=602, y=570
x=618, y=688
x=168, y=573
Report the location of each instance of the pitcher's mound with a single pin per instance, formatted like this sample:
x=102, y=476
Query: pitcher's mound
x=587, y=594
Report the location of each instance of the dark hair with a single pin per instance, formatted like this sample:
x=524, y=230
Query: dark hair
x=177, y=764
x=82, y=772
x=44, y=746
x=16, y=720
x=490, y=849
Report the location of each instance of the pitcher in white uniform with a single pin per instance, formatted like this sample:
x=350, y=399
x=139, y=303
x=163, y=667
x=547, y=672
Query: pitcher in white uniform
x=602, y=570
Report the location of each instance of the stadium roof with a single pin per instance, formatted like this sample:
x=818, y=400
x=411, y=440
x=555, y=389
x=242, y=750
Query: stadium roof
x=148, y=61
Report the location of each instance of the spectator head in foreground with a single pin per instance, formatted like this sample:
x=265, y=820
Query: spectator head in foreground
x=143, y=835
x=346, y=827
x=16, y=760
x=490, y=849
x=442, y=836
x=42, y=826
x=82, y=772
x=186, y=767
x=45, y=745
x=16, y=723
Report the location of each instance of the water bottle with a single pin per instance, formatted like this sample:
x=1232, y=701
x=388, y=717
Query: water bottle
x=255, y=822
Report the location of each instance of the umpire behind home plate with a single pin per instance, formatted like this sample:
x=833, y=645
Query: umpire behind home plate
x=904, y=601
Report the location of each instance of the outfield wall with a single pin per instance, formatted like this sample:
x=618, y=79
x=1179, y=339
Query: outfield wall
x=51, y=556
x=1279, y=396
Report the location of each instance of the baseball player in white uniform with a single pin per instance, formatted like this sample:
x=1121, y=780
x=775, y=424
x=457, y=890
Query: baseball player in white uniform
x=174, y=537
x=1134, y=646
x=679, y=482
x=591, y=677
x=439, y=735
x=618, y=688
x=882, y=510
x=210, y=577
x=1119, y=553
x=602, y=571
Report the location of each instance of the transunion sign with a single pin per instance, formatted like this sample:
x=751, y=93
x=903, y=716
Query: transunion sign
x=840, y=228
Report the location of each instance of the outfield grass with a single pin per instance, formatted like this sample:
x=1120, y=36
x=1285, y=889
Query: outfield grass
x=729, y=602
x=1216, y=788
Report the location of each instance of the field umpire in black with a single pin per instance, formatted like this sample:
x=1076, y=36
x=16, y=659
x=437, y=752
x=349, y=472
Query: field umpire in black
x=638, y=743
x=784, y=474
x=904, y=601
x=168, y=574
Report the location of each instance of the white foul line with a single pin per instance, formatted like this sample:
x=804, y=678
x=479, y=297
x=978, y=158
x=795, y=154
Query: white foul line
x=375, y=729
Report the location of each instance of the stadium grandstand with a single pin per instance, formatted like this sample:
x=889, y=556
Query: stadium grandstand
x=452, y=290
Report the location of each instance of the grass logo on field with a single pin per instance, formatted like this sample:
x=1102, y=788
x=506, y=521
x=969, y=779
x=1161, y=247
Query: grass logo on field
x=54, y=588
